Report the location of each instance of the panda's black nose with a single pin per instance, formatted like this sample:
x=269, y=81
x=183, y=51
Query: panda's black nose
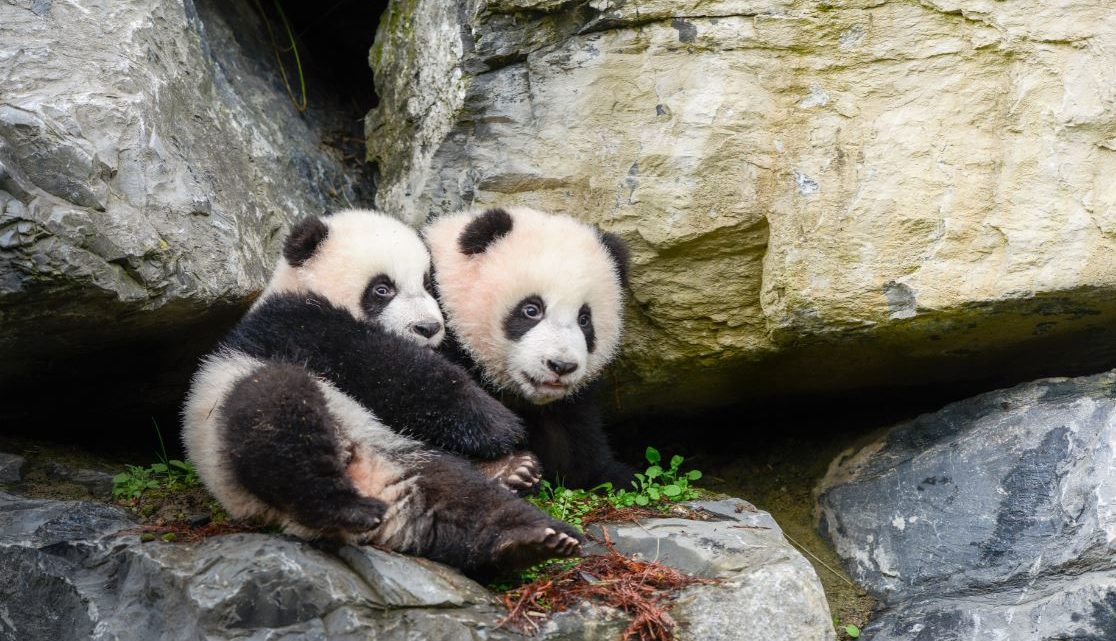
x=561, y=367
x=426, y=330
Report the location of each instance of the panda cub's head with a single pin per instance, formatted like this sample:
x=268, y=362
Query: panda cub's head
x=536, y=299
x=368, y=263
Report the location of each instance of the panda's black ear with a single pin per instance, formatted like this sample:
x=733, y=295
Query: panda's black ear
x=484, y=230
x=618, y=250
x=305, y=238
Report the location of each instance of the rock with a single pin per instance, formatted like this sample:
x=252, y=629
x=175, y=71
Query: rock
x=69, y=570
x=992, y=518
x=150, y=161
x=98, y=484
x=868, y=185
x=75, y=567
x=764, y=584
x=12, y=468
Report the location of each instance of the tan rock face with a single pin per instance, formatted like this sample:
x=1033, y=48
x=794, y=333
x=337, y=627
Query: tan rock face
x=819, y=196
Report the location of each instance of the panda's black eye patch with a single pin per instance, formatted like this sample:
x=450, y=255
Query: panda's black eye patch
x=523, y=316
x=428, y=283
x=585, y=322
x=380, y=292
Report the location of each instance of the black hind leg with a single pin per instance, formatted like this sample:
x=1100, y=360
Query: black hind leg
x=285, y=450
x=480, y=527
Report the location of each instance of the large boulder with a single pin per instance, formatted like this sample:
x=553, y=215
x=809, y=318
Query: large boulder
x=150, y=160
x=909, y=192
x=763, y=583
x=75, y=571
x=994, y=518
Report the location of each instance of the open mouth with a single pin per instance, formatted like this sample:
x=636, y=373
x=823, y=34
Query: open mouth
x=549, y=388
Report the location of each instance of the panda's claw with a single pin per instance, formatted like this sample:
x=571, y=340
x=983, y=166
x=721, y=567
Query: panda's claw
x=362, y=515
x=527, y=546
x=518, y=471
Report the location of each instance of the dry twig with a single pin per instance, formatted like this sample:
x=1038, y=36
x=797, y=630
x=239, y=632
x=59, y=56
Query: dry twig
x=640, y=588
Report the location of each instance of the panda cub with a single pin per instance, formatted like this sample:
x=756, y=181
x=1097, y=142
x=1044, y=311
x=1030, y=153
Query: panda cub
x=534, y=305
x=318, y=411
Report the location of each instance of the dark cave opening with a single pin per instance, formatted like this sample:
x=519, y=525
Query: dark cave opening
x=333, y=40
x=106, y=391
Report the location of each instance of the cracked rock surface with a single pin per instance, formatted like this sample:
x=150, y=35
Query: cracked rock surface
x=993, y=518
x=150, y=161
x=73, y=571
x=909, y=192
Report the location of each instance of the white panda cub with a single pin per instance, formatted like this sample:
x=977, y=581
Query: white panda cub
x=534, y=305
x=318, y=411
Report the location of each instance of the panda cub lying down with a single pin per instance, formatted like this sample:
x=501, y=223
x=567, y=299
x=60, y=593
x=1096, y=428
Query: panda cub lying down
x=328, y=411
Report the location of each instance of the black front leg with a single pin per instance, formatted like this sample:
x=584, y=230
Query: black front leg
x=412, y=389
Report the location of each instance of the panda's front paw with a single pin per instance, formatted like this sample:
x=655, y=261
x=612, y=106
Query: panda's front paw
x=520, y=472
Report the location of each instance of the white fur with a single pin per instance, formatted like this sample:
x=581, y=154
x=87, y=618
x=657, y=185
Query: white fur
x=556, y=257
x=203, y=433
x=204, y=437
x=361, y=245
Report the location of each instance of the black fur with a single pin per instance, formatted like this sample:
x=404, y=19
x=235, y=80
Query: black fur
x=484, y=230
x=374, y=304
x=516, y=324
x=412, y=389
x=569, y=439
x=284, y=448
x=587, y=329
x=305, y=238
x=498, y=531
x=620, y=254
x=566, y=435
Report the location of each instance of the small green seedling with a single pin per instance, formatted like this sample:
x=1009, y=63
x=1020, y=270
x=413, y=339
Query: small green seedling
x=167, y=473
x=655, y=487
x=658, y=485
x=132, y=483
x=852, y=631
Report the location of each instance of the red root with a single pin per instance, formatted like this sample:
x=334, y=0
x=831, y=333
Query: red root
x=640, y=588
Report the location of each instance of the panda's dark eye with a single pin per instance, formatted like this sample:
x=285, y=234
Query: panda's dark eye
x=585, y=321
x=523, y=316
x=383, y=290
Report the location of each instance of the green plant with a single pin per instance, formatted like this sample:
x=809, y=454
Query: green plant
x=654, y=488
x=132, y=483
x=567, y=504
x=167, y=473
x=850, y=630
x=658, y=485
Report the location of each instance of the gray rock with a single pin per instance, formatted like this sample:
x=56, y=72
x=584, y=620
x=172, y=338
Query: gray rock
x=763, y=582
x=150, y=160
x=69, y=570
x=993, y=518
x=12, y=468
x=72, y=568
